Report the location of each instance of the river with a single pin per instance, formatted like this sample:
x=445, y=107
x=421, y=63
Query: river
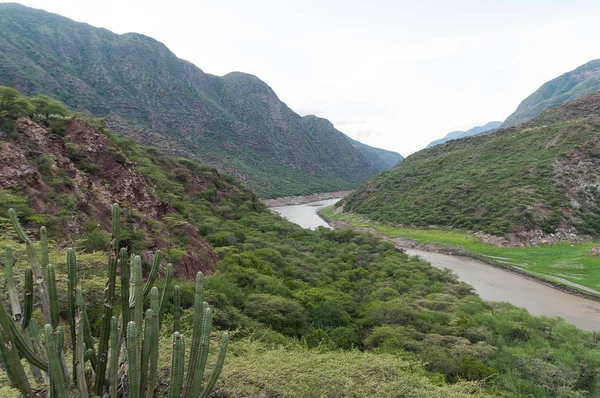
x=306, y=215
x=490, y=283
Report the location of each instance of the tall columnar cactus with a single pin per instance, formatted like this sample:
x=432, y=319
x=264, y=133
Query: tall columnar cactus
x=53, y=293
x=176, y=309
x=28, y=298
x=114, y=357
x=71, y=290
x=138, y=377
x=10, y=285
x=35, y=266
x=177, y=365
x=57, y=381
x=109, y=300
x=132, y=360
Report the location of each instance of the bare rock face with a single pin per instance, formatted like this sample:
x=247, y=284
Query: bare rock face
x=109, y=177
x=595, y=251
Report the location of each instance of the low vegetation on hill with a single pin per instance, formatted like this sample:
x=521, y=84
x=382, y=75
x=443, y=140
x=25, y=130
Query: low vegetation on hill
x=310, y=310
x=540, y=176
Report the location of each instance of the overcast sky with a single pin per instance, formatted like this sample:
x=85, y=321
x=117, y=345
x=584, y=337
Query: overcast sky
x=393, y=74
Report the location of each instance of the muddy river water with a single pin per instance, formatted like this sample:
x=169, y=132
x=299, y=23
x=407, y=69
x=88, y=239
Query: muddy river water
x=490, y=283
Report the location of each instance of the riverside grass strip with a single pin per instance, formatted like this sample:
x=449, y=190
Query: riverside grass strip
x=572, y=262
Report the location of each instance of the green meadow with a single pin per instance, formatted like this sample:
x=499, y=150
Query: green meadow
x=556, y=262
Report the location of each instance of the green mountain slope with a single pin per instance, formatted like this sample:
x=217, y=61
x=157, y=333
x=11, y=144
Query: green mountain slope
x=454, y=135
x=379, y=159
x=343, y=312
x=235, y=122
x=540, y=175
x=567, y=87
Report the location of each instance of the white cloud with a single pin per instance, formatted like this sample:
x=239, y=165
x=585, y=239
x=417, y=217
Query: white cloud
x=411, y=71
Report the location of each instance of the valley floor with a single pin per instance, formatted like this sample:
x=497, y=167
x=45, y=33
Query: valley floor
x=569, y=267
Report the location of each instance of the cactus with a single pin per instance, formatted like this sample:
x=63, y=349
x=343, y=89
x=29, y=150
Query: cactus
x=10, y=285
x=153, y=273
x=146, y=346
x=35, y=266
x=56, y=376
x=196, y=336
x=218, y=367
x=28, y=298
x=176, y=309
x=165, y=293
x=53, y=293
x=153, y=365
x=71, y=290
x=124, y=268
x=10, y=356
x=87, y=330
x=141, y=356
x=114, y=357
x=45, y=256
x=132, y=360
x=79, y=359
x=177, y=365
x=109, y=299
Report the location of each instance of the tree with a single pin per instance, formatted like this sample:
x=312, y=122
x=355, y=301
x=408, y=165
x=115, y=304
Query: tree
x=12, y=106
x=48, y=107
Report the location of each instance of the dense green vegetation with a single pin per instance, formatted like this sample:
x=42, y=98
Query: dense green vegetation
x=541, y=175
x=235, y=123
x=570, y=86
x=328, y=297
x=566, y=261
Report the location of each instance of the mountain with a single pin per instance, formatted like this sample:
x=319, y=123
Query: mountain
x=379, y=159
x=312, y=303
x=538, y=176
x=235, y=122
x=459, y=134
x=567, y=87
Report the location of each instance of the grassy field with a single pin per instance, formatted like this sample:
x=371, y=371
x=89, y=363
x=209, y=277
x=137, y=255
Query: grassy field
x=559, y=262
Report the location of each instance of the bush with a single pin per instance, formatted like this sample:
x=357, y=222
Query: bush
x=282, y=314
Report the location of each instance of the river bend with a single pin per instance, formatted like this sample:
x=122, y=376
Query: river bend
x=490, y=283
